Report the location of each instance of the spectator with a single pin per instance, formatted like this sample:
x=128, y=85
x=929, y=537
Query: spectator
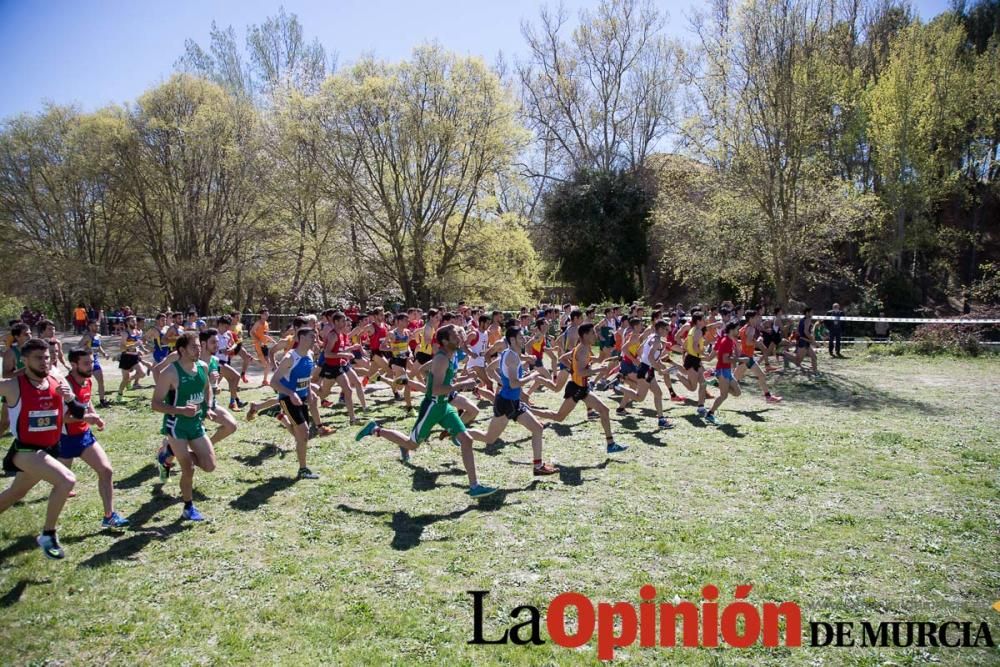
x=835, y=328
x=80, y=318
x=881, y=329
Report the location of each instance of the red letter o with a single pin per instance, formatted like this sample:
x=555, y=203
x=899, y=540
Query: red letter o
x=555, y=620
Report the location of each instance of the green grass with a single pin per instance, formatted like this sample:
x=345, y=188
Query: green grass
x=871, y=493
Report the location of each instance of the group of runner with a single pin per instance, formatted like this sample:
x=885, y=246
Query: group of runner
x=453, y=360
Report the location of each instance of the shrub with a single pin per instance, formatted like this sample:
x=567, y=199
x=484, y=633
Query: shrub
x=946, y=338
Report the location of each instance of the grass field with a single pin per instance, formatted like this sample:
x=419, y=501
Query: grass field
x=871, y=493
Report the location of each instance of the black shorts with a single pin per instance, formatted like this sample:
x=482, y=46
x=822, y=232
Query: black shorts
x=128, y=361
x=802, y=342
x=332, y=372
x=575, y=391
x=423, y=357
x=266, y=350
x=222, y=362
x=238, y=348
x=385, y=354
x=357, y=355
x=771, y=338
x=508, y=407
x=692, y=363
x=399, y=361
x=8, y=461
x=646, y=372
x=299, y=414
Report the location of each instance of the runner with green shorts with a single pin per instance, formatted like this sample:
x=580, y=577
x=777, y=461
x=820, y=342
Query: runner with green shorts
x=435, y=410
x=184, y=395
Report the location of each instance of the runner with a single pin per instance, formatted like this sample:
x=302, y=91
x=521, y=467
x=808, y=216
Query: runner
x=694, y=347
x=435, y=410
x=507, y=405
x=338, y=353
x=261, y=342
x=91, y=343
x=726, y=356
x=48, y=329
x=291, y=381
x=748, y=346
x=577, y=389
x=183, y=394
x=156, y=337
x=237, y=331
x=38, y=403
x=225, y=349
x=649, y=365
x=130, y=361
x=77, y=440
x=803, y=343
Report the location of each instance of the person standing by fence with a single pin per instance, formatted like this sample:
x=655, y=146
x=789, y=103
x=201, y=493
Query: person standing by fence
x=835, y=329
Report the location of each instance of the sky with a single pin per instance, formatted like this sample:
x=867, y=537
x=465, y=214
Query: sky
x=92, y=53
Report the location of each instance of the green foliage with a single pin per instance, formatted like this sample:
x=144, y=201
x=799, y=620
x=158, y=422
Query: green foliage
x=597, y=224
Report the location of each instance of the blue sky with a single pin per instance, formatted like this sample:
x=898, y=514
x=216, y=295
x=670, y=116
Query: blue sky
x=92, y=53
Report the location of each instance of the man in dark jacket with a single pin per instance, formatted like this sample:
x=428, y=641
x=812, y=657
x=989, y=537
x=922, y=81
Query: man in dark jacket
x=836, y=328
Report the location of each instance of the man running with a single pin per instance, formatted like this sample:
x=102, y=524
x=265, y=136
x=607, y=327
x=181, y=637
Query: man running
x=78, y=441
x=803, y=342
x=726, y=356
x=748, y=346
x=436, y=410
x=507, y=405
x=38, y=402
x=649, y=365
x=183, y=394
x=292, y=382
x=338, y=352
x=577, y=387
x=261, y=342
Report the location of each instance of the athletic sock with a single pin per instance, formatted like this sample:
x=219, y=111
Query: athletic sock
x=188, y=504
x=767, y=394
x=49, y=533
x=537, y=462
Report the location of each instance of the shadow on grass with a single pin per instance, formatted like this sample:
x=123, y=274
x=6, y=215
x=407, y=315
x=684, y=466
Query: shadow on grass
x=26, y=543
x=835, y=390
x=130, y=546
x=426, y=480
x=563, y=430
x=138, y=478
x=13, y=596
x=573, y=475
x=408, y=528
x=256, y=496
x=753, y=415
x=268, y=451
x=652, y=438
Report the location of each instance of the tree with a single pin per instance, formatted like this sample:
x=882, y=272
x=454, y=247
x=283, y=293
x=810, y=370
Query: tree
x=597, y=225
x=413, y=150
x=193, y=170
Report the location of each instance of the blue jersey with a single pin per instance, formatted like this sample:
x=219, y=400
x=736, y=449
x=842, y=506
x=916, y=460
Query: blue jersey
x=299, y=375
x=506, y=391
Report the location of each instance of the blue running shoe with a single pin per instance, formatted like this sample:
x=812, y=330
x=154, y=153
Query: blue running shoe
x=713, y=420
x=162, y=466
x=192, y=514
x=614, y=448
x=481, y=491
x=702, y=411
x=116, y=520
x=454, y=441
x=50, y=546
x=366, y=431
x=663, y=422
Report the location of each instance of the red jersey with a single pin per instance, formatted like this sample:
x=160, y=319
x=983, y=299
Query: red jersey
x=380, y=332
x=412, y=326
x=37, y=417
x=723, y=348
x=340, y=343
x=82, y=393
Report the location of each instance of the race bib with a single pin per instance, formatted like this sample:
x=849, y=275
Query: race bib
x=42, y=420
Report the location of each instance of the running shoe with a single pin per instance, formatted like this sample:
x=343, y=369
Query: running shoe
x=713, y=420
x=236, y=406
x=592, y=414
x=367, y=431
x=614, y=448
x=676, y=399
x=192, y=514
x=619, y=411
x=325, y=404
x=252, y=412
x=702, y=411
x=325, y=430
x=306, y=473
x=243, y=379
x=161, y=464
x=481, y=491
x=545, y=469
x=602, y=385
x=663, y=422
x=104, y=404
x=50, y=546
x=404, y=454
x=772, y=399
x=116, y=520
